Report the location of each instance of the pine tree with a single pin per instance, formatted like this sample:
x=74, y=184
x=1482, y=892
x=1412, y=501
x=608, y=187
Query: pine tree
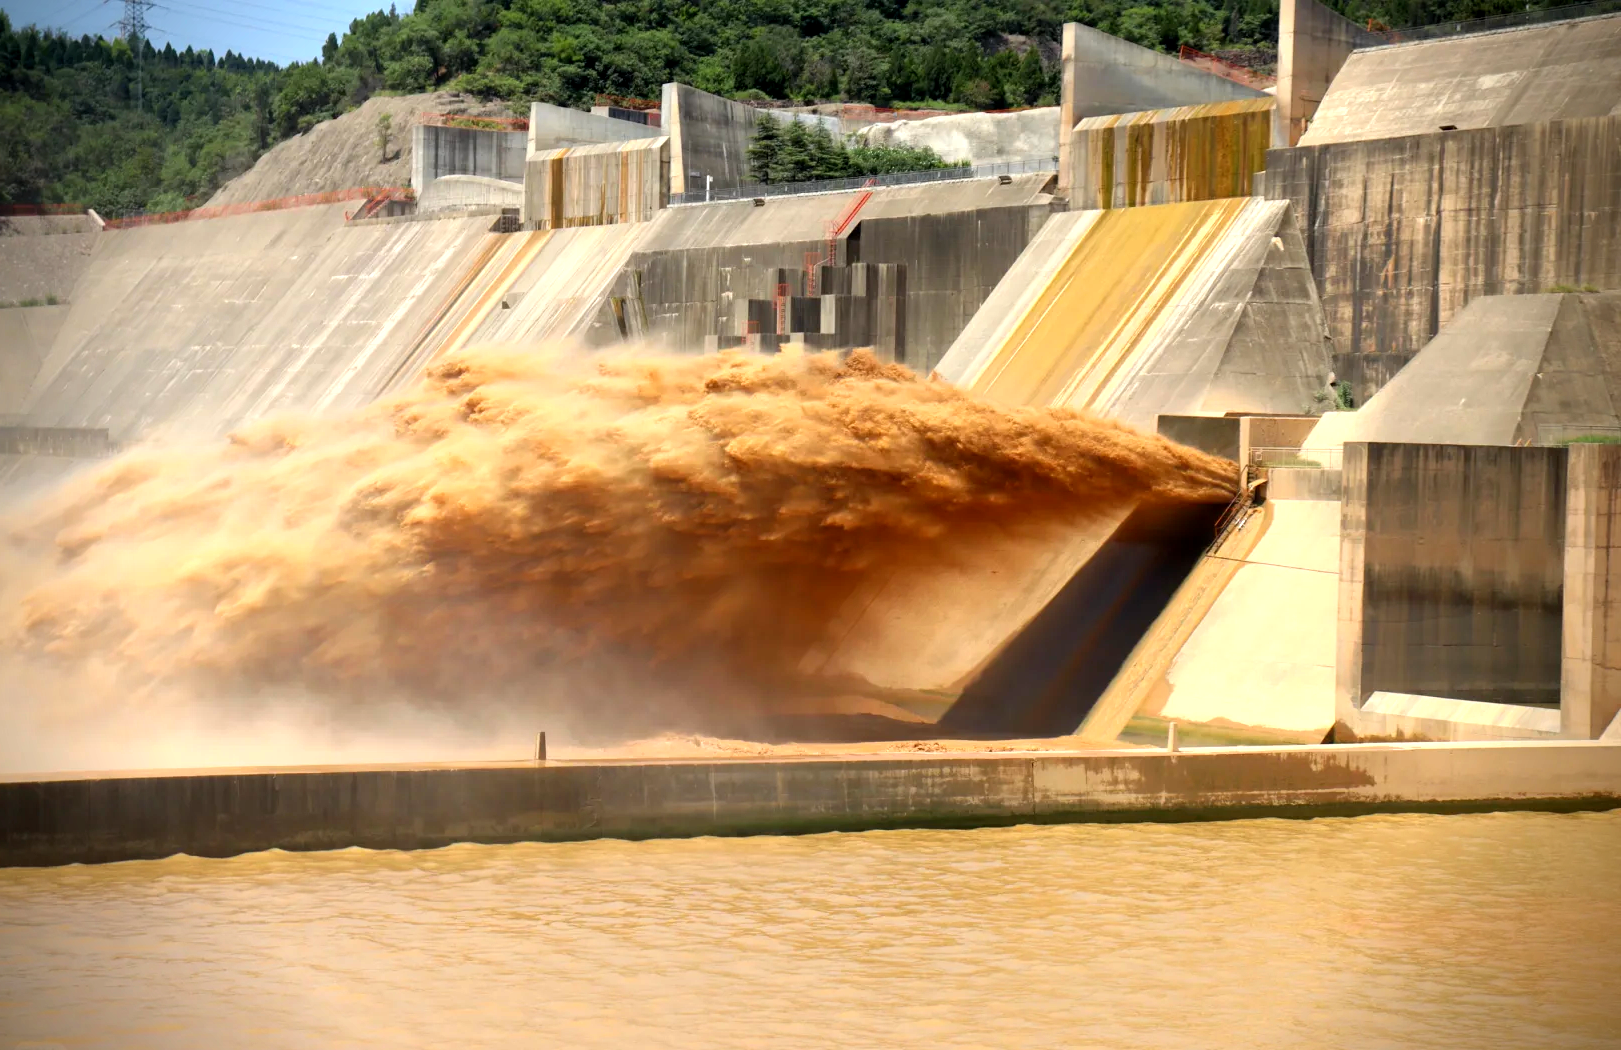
x=829, y=159
x=795, y=161
x=765, y=148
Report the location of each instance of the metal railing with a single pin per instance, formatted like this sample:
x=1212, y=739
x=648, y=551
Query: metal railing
x=1306, y=458
x=748, y=190
x=1491, y=22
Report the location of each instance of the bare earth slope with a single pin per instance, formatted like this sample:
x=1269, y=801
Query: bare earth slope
x=342, y=153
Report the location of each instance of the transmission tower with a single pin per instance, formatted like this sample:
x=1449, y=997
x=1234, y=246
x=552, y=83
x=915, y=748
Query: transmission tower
x=134, y=28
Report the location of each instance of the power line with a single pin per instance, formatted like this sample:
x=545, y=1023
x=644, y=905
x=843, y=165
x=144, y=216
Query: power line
x=323, y=26
x=135, y=29
x=256, y=22
x=233, y=20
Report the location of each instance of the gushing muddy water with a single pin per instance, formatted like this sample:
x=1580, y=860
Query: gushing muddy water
x=1481, y=931
x=622, y=533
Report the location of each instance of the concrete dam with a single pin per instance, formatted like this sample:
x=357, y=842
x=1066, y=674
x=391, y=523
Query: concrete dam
x=1244, y=451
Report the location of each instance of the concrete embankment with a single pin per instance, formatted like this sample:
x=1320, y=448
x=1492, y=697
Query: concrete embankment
x=122, y=816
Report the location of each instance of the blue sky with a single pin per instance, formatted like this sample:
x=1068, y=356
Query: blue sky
x=280, y=30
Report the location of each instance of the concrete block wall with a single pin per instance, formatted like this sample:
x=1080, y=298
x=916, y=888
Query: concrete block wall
x=439, y=151
x=1313, y=43
x=1190, y=153
x=1451, y=573
x=1403, y=232
x=597, y=185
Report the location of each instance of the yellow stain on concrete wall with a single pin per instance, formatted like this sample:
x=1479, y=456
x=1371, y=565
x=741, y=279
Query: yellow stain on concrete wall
x=1074, y=344
x=597, y=185
x=1190, y=153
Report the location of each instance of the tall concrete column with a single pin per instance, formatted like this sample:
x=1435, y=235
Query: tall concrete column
x=1590, y=671
x=1066, y=109
x=1348, y=694
x=1313, y=43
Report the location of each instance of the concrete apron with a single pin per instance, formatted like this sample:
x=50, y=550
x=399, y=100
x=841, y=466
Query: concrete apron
x=48, y=820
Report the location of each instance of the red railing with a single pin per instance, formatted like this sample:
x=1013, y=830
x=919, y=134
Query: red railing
x=464, y=120
x=365, y=193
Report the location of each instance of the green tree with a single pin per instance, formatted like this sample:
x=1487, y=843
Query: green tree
x=764, y=147
x=384, y=123
x=796, y=158
x=1031, y=81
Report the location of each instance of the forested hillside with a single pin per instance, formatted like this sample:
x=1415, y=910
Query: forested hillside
x=70, y=129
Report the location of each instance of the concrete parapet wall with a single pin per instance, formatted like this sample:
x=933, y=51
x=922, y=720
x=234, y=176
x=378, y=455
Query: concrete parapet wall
x=1313, y=43
x=1451, y=573
x=1556, y=71
x=1191, y=153
x=553, y=127
x=709, y=136
x=439, y=151
x=1402, y=233
x=597, y=185
x=224, y=812
x=1116, y=76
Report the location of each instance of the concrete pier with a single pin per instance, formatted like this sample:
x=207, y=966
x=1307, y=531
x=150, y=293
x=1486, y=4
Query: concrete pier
x=69, y=818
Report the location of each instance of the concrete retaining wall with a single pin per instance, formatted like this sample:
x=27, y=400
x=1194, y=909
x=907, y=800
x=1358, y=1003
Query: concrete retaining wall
x=954, y=238
x=553, y=127
x=1451, y=572
x=452, y=192
x=1556, y=71
x=439, y=151
x=1313, y=43
x=1191, y=153
x=224, y=812
x=709, y=137
x=1402, y=233
x=597, y=185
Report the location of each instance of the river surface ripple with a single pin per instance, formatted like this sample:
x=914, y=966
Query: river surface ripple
x=1492, y=930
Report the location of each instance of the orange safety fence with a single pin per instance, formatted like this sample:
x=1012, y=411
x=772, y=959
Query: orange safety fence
x=463, y=120
x=365, y=193
x=16, y=210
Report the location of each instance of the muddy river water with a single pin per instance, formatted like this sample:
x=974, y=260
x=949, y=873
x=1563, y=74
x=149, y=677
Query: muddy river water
x=1492, y=930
